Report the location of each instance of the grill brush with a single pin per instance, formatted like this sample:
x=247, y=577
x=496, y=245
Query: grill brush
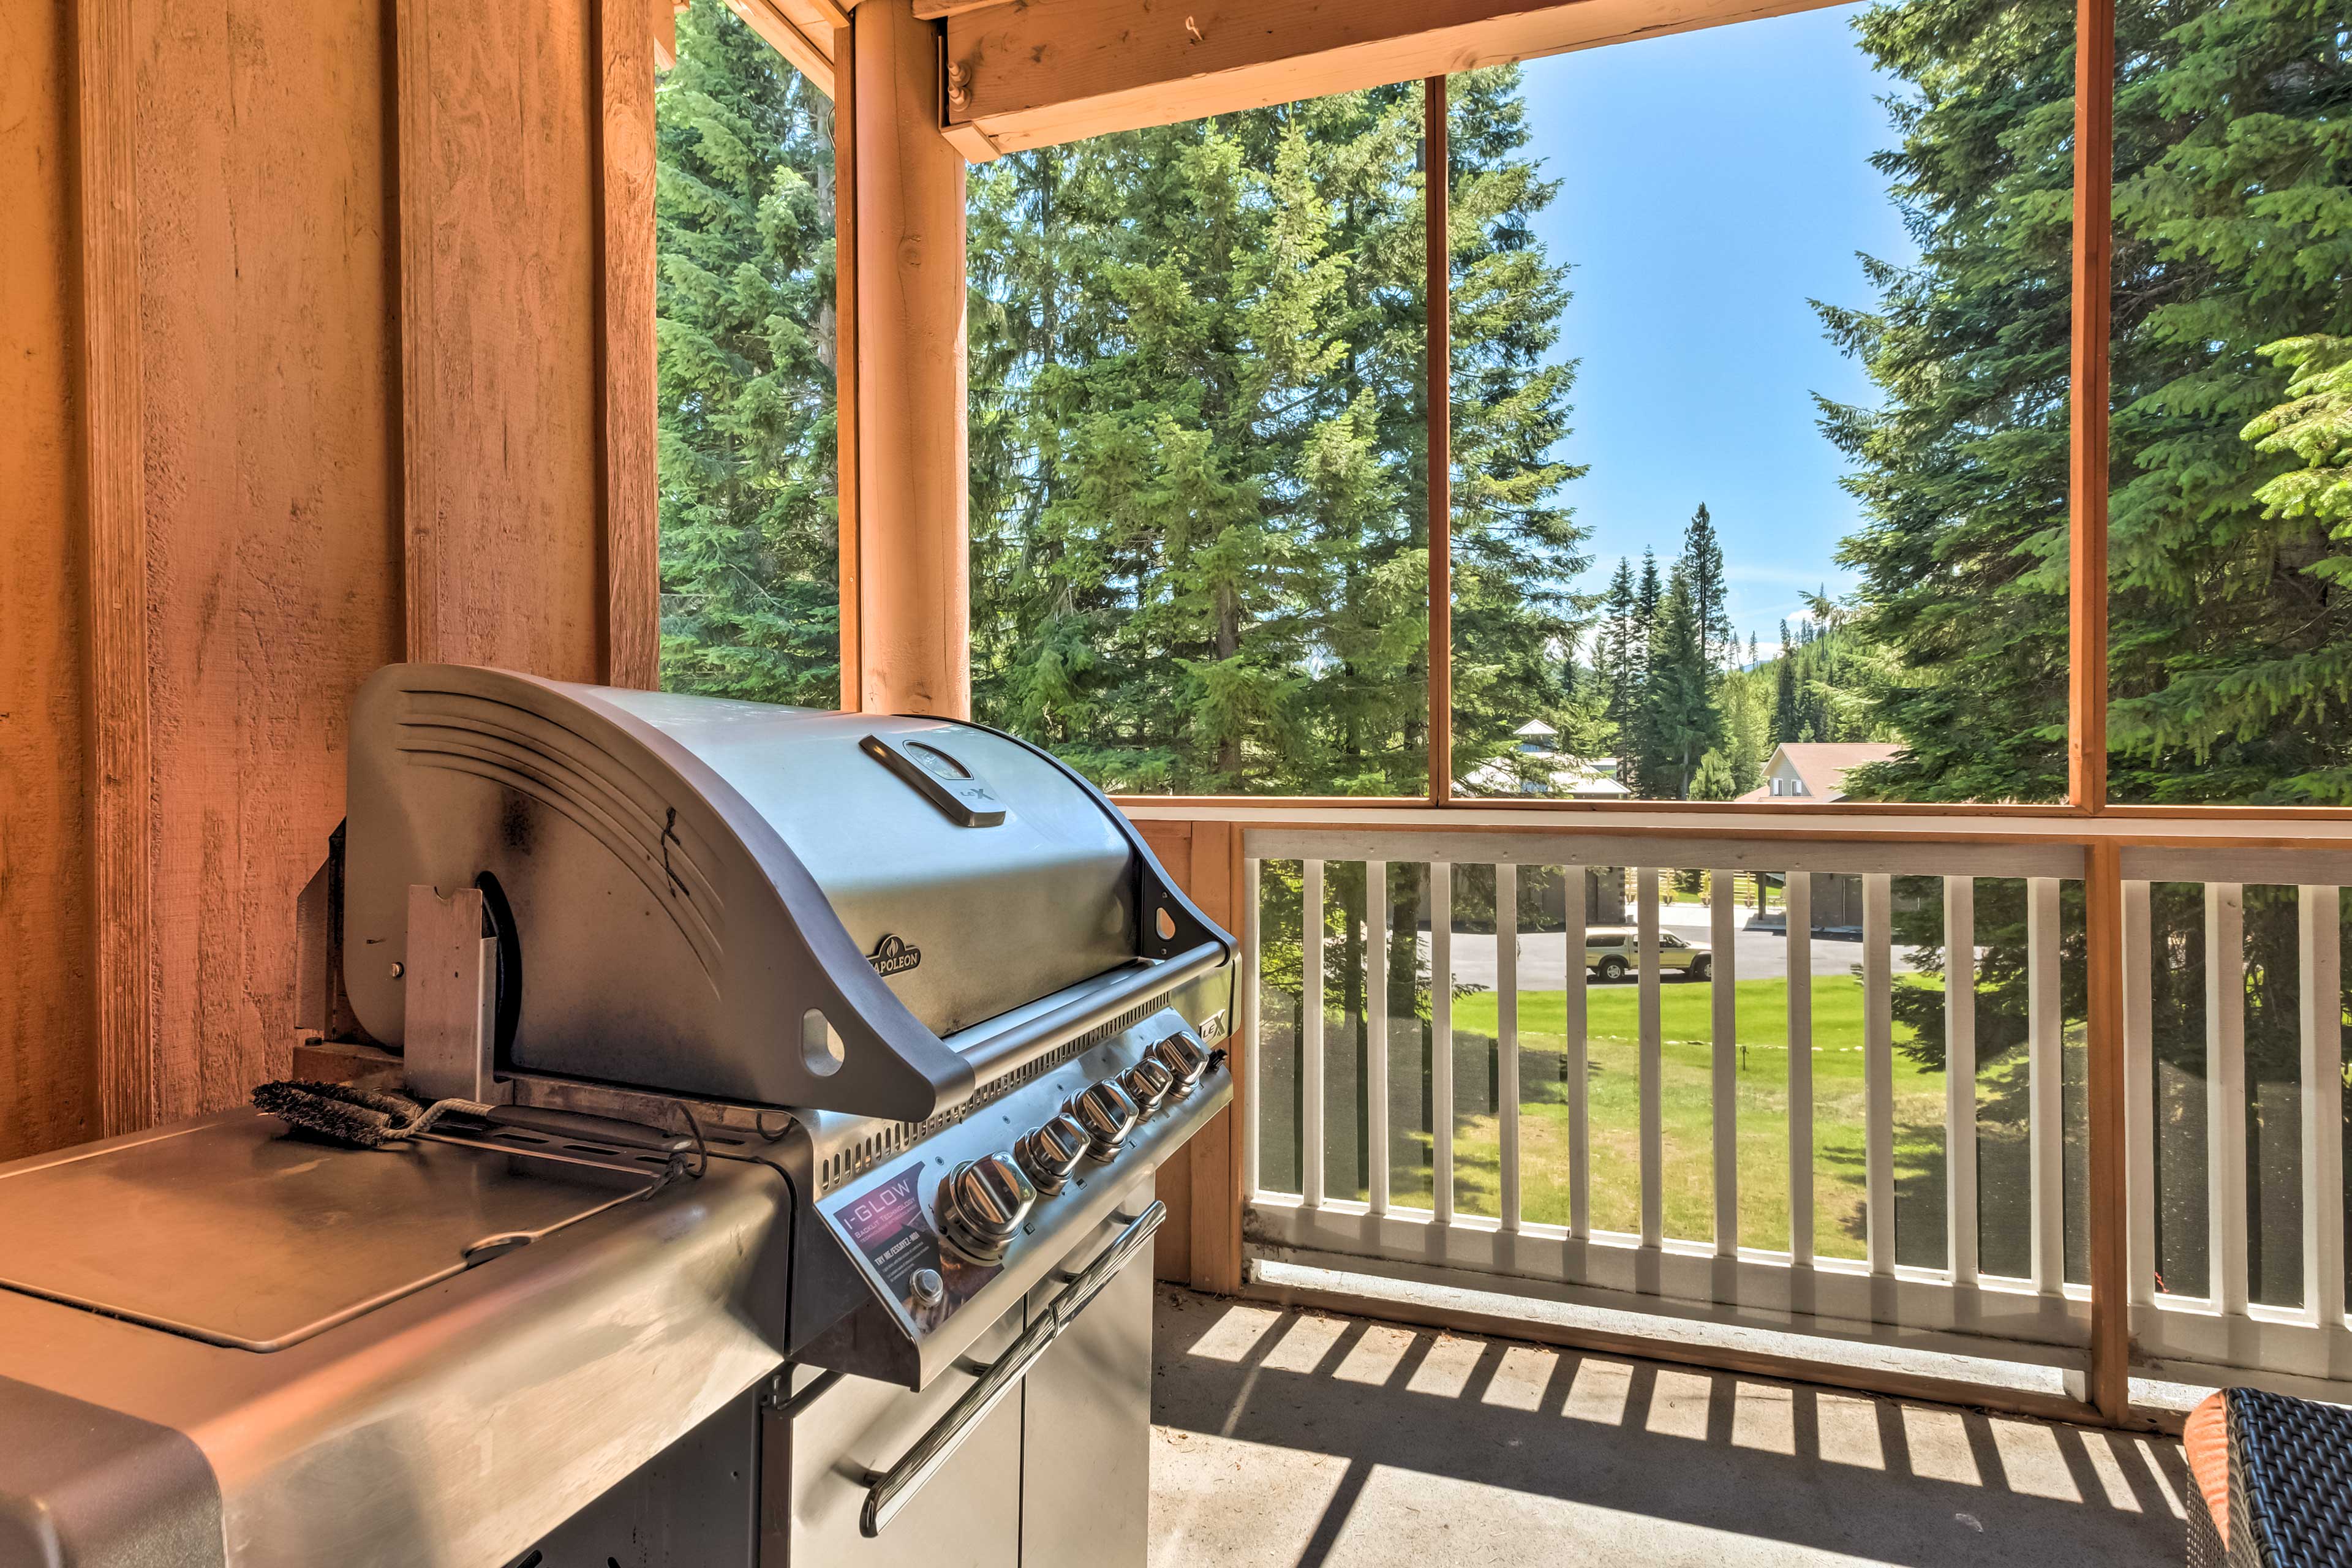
x=360, y=1118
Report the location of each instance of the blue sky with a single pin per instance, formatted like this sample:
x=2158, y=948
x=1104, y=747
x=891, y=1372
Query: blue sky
x=1710, y=184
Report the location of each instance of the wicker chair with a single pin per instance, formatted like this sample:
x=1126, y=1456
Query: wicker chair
x=2274, y=1483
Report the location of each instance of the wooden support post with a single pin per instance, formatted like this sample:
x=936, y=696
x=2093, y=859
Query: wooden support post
x=2086, y=462
x=1219, y=1151
x=625, y=342
x=1437, y=346
x=2102, y=933
x=913, y=596
x=845, y=358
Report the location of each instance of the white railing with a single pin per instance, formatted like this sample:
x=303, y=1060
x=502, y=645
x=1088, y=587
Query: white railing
x=2225, y=1328
x=1946, y=1292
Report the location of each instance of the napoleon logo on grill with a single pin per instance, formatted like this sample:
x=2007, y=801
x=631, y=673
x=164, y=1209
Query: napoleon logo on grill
x=891, y=955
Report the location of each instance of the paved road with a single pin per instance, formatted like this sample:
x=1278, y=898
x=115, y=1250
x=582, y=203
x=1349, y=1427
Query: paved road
x=1756, y=954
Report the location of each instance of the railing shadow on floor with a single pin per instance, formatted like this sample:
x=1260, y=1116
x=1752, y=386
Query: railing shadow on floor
x=1612, y=1460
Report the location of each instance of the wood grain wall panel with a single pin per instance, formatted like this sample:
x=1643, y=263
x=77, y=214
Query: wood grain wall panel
x=500, y=202
x=49, y=1079
x=116, y=634
x=274, y=565
x=264, y=436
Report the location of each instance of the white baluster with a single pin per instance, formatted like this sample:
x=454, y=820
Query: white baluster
x=2046, y=1131
x=2140, y=1090
x=1507, y=1034
x=1722, y=934
x=2319, y=952
x=1653, y=1207
x=1960, y=1076
x=2225, y=1093
x=1798, y=901
x=1376, y=1027
x=1310, y=1043
x=1878, y=1069
x=1572, y=1062
x=1441, y=1039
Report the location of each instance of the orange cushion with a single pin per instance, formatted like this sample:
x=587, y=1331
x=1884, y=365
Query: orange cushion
x=2206, y=1439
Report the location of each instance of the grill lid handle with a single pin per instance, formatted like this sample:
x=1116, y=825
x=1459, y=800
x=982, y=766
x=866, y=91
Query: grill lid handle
x=946, y=781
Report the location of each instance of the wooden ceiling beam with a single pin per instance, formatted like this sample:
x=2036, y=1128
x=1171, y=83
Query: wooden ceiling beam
x=664, y=15
x=796, y=40
x=1036, y=72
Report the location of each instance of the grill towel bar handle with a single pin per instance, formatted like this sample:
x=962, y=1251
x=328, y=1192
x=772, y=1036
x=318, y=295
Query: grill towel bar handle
x=888, y=1490
x=994, y=1055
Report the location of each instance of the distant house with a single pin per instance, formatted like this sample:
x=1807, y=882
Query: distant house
x=1537, y=768
x=1813, y=772
x=1806, y=772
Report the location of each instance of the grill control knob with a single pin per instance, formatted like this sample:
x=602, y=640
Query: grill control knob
x=1184, y=1061
x=1147, y=1083
x=1051, y=1151
x=1108, y=1115
x=981, y=1206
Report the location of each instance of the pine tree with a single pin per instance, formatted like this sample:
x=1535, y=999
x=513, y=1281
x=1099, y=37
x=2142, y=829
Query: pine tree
x=1678, y=722
x=1515, y=545
x=1786, y=719
x=743, y=230
x=1702, y=567
x=1712, y=780
x=2233, y=230
x=1199, y=484
x=1616, y=661
x=2230, y=234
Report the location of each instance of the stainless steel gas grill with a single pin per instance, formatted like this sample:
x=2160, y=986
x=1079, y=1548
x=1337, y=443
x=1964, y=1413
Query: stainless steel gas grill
x=797, y=1082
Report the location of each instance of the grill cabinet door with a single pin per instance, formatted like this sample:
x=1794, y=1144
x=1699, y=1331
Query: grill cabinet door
x=1086, y=1472
x=966, y=1516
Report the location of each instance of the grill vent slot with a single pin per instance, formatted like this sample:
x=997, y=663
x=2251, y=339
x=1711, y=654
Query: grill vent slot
x=862, y=1156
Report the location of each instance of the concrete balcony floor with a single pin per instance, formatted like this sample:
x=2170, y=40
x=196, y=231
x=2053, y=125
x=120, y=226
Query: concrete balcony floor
x=1298, y=1440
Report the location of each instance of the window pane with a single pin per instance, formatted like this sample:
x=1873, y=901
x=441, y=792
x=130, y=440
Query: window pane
x=1794, y=442
x=1195, y=372
x=743, y=232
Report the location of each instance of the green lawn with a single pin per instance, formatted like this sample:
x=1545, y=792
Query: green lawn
x=1613, y=1058
x=1687, y=1079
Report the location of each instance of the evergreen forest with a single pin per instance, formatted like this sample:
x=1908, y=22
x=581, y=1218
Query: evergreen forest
x=1198, y=476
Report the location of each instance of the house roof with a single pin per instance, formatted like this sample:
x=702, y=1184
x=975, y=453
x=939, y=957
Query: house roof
x=1822, y=765
x=1583, y=778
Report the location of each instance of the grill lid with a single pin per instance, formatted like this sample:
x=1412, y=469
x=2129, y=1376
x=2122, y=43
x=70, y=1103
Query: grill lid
x=726, y=899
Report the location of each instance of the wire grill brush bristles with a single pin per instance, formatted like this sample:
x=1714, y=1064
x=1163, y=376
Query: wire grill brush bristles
x=345, y=1113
